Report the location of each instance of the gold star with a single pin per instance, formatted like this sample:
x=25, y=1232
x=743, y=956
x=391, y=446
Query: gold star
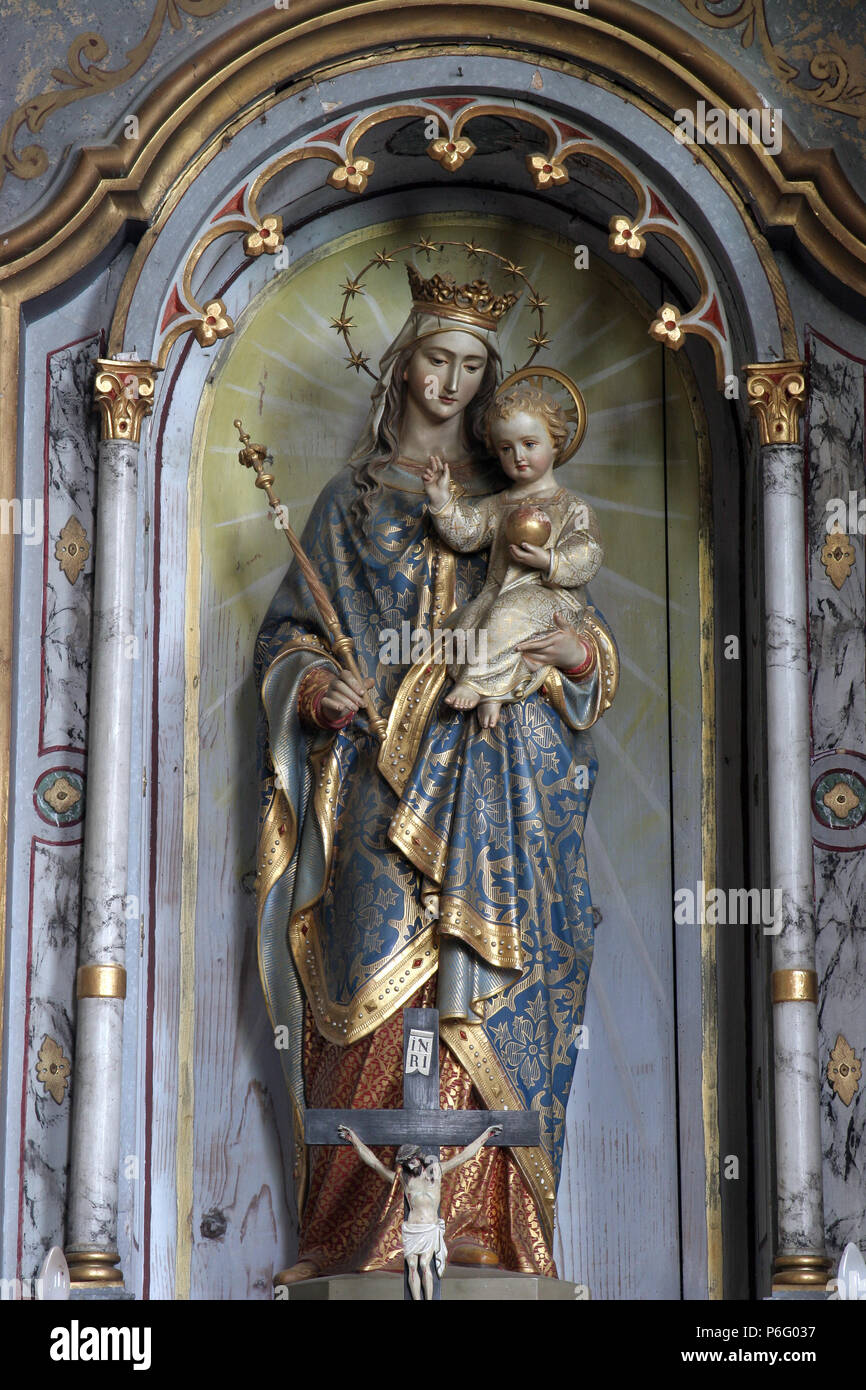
x=536, y=302
x=342, y=324
x=383, y=258
x=352, y=287
x=425, y=244
x=471, y=248
x=356, y=360
x=513, y=268
x=538, y=340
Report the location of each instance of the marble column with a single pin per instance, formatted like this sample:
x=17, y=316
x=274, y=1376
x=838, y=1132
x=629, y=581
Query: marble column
x=124, y=392
x=776, y=393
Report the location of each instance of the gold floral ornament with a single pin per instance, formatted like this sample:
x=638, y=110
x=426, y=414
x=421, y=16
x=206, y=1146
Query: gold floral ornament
x=268, y=237
x=841, y=800
x=72, y=549
x=844, y=1070
x=624, y=238
x=53, y=1069
x=545, y=170
x=666, y=327
x=214, y=323
x=352, y=175
x=837, y=556
x=450, y=153
x=62, y=796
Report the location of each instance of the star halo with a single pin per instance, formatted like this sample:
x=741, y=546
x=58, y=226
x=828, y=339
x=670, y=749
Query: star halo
x=384, y=259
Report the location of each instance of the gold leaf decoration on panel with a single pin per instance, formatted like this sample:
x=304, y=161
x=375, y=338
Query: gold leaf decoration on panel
x=838, y=557
x=844, y=1070
x=830, y=67
x=72, y=549
x=84, y=78
x=841, y=800
x=62, y=795
x=53, y=1069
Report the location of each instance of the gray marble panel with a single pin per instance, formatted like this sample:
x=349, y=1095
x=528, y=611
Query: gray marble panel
x=71, y=433
x=48, y=1012
x=841, y=963
x=838, y=656
x=837, y=617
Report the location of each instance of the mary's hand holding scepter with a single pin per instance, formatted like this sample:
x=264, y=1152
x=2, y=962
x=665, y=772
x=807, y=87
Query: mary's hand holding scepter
x=254, y=456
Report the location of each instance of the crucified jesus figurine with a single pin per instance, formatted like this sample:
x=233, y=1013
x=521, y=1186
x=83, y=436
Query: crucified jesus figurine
x=421, y=1179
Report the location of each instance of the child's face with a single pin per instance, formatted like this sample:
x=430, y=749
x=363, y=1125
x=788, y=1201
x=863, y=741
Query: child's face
x=525, y=449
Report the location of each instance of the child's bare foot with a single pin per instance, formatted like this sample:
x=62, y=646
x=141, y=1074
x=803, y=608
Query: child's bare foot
x=462, y=697
x=488, y=713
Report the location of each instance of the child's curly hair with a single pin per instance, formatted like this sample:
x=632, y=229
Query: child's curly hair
x=528, y=400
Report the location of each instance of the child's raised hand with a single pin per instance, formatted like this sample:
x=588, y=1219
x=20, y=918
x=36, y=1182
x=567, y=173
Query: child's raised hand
x=437, y=481
x=533, y=556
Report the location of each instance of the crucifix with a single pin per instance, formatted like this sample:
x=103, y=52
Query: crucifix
x=419, y=1129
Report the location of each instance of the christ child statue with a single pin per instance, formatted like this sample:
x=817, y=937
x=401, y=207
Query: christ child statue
x=544, y=548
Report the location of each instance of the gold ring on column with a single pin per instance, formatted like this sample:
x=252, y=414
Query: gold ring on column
x=101, y=982
x=795, y=986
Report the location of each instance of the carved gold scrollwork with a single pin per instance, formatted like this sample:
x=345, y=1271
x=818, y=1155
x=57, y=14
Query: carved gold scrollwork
x=124, y=397
x=72, y=549
x=838, y=557
x=84, y=78
x=777, y=395
x=839, y=89
x=53, y=1069
x=844, y=1070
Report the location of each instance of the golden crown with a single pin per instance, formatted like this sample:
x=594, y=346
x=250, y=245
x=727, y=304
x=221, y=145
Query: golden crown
x=475, y=303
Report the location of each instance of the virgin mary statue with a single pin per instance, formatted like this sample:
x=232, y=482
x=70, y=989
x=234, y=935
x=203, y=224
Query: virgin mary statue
x=346, y=935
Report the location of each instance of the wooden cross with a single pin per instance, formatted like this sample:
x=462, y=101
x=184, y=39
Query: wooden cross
x=421, y=1121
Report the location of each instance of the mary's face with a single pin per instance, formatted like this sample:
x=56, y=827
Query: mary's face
x=445, y=372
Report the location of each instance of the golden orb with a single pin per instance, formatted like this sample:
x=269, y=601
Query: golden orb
x=527, y=524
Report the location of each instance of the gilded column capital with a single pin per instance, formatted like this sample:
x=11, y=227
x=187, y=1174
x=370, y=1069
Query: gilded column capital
x=123, y=393
x=777, y=394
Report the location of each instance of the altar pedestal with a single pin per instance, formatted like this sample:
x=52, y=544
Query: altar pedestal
x=468, y=1285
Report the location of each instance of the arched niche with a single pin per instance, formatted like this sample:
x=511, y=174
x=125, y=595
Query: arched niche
x=182, y=266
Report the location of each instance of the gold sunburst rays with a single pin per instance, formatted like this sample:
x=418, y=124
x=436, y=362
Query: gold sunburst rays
x=617, y=895
x=614, y=368
x=638, y=779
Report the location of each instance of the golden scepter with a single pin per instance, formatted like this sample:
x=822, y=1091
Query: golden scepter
x=253, y=456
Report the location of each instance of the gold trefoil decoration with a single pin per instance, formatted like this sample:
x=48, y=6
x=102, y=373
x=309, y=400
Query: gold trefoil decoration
x=777, y=394
x=72, y=549
x=353, y=175
x=266, y=237
x=844, y=1070
x=53, y=1069
x=624, y=238
x=451, y=154
x=214, y=323
x=838, y=556
x=124, y=397
x=61, y=795
x=445, y=119
x=665, y=327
